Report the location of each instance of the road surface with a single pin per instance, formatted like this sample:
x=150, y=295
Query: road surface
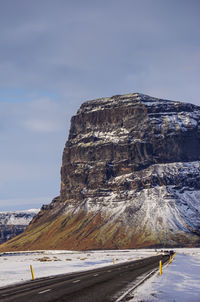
x=98, y=285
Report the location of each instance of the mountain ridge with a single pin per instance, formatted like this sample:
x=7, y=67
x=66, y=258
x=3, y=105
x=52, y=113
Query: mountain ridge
x=12, y=223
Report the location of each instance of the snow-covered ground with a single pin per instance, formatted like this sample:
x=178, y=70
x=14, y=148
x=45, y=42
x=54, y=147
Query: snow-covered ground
x=15, y=267
x=180, y=281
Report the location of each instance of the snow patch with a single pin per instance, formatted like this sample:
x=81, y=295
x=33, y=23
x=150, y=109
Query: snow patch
x=179, y=281
x=15, y=266
x=17, y=217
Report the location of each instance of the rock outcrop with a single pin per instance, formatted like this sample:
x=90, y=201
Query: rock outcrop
x=130, y=177
x=14, y=223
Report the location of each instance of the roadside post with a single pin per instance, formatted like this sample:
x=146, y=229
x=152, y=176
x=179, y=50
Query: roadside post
x=160, y=267
x=32, y=273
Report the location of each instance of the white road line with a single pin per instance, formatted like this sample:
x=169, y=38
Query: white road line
x=96, y=275
x=44, y=291
x=76, y=281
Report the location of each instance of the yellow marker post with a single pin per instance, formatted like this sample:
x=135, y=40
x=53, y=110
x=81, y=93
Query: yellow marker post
x=32, y=273
x=113, y=260
x=170, y=259
x=136, y=257
x=160, y=267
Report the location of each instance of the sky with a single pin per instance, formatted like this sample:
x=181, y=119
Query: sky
x=56, y=54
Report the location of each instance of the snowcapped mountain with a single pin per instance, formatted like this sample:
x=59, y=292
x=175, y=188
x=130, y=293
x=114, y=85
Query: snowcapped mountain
x=130, y=177
x=13, y=223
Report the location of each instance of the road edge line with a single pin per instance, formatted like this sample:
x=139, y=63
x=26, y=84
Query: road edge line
x=139, y=283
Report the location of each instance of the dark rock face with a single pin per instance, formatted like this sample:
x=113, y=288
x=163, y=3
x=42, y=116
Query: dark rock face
x=130, y=177
x=10, y=231
x=119, y=135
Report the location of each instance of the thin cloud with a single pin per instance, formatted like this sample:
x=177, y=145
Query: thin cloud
x=42, y=125
x=23, y=203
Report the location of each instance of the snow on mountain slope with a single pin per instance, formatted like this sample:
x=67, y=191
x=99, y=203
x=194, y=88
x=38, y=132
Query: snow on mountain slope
x=13, y=223
x=17, y=217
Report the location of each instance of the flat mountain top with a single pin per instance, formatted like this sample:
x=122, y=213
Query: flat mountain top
x=130, y=178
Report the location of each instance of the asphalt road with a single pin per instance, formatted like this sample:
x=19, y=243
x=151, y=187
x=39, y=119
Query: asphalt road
x=98, y=285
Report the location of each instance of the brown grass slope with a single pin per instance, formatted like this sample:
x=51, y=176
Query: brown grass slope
x=85, y=231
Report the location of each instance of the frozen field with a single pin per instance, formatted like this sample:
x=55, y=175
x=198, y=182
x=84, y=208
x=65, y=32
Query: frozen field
x=15, y=267
x=180, y=281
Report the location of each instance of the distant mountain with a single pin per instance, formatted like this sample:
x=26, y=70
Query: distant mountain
x=130, y=178
x=14, y=223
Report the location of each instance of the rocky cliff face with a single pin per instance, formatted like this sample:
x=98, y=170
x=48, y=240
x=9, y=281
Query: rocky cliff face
x=14, y=223
x=130, y=177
